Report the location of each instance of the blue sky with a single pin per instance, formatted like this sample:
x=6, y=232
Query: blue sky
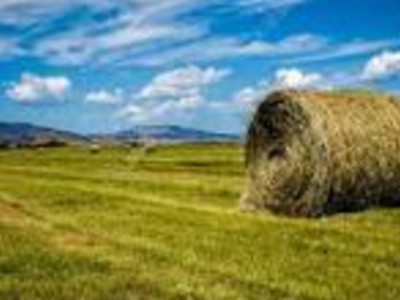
x=103, y=65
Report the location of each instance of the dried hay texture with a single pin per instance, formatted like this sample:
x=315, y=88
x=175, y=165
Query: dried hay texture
x=316, y=153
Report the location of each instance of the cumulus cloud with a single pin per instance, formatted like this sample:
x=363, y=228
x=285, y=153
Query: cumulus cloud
x=177, y=93
x=173, y=94
x=155, y=111
x=247, y=97
x=182, y=82
x=32, y=88
x=383, y=65
x=134, y=113
x=105, y=97
x=250, y=95
x=295, y=78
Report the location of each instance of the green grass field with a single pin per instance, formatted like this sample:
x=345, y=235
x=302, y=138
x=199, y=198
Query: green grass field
x=120, y=225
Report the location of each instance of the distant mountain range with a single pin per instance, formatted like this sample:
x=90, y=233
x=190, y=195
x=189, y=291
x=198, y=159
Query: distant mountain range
x=24, y=134
x=172, y=133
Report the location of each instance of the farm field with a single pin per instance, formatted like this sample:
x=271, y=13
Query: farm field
x=119, y=224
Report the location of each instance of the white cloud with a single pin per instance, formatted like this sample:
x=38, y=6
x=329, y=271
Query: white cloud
x=246, y=95
x=291, y=78
x=134, y=113
x=182, y=82
x=26, y=12
x=383, y=65
x=224, y=48
x=32, y=88
x=250, y=95
x=129, y=27
x=8, y=47
x=176, y=94
x=80, y=47
x=23, y=13
x=295, y=78
x=347, y=49
x=129, y=24
x=189, y=102
x=105, y=97
x=133, y=27
x=156, y=111
x=262, y=5
x=166, y=101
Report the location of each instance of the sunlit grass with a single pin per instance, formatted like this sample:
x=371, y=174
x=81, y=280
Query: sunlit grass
x=122, y=225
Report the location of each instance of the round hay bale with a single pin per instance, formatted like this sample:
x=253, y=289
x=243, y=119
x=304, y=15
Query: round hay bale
x=316, y=153
x=94, y=148
x=148, y=146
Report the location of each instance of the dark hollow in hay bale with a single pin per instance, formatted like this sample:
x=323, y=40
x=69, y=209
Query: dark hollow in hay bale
x=316, y=153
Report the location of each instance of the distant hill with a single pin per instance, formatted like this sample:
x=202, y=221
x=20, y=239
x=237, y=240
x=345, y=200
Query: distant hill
x=171, y=133
x=24, y=134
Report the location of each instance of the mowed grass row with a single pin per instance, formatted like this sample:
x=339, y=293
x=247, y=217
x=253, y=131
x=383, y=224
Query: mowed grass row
x=123, y=225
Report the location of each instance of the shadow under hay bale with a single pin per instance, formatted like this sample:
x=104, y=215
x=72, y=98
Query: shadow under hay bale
x=317, y=153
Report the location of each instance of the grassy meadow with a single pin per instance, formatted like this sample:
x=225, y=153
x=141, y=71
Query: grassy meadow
x=119, y=224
